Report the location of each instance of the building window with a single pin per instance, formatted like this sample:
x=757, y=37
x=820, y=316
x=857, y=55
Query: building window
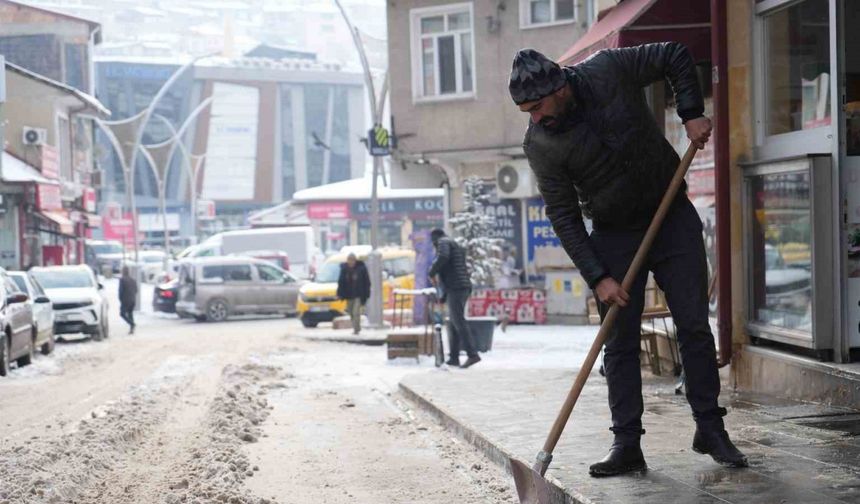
x=442, y=52
x=796, y=68
x=535, y=13
x=781, y=272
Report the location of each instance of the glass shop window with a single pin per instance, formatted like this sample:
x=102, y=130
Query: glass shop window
x=797, y=67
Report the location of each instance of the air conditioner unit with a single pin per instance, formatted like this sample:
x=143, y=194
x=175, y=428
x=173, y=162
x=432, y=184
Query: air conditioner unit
x=34, y=136
x=514, y=179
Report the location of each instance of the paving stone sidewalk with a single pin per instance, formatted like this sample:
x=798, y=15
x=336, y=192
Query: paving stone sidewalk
x=799, y=453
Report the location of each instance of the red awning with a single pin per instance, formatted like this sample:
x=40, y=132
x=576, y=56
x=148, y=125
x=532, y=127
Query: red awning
x=61, y=219
x=635, y=22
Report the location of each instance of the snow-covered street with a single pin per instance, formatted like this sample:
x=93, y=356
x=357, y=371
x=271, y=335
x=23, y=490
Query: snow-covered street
x=243, y=411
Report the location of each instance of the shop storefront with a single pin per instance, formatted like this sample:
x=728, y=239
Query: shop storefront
x=800, y=214
x=398, y=219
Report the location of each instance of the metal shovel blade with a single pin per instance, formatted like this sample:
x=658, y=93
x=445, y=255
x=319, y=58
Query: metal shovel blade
x=531, y=486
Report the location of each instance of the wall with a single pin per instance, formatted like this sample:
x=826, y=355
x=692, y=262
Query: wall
x=29, y=103
x=488, y=120
x=740, y=148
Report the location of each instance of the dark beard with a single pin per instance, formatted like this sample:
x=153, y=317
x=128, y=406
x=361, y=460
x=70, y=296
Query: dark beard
x=562, y=120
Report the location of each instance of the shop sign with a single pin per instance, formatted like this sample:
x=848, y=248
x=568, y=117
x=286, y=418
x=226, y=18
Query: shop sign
x=89, y=198
x=541, y=233
x=507, y=225
x=118, y=228
x=50, y=161
x=543, y=248
x=424, y=207
x=48, y=197
x=205, y=209
x=328, y=210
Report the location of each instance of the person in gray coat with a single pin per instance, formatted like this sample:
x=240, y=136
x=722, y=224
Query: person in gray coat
x=450, y=266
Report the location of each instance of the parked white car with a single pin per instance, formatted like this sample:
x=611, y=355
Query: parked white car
x=43, y=312
x=79, y=302
x=152, y=265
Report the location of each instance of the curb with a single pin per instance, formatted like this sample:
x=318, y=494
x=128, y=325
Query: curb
x=346, y=339
x=494, y=452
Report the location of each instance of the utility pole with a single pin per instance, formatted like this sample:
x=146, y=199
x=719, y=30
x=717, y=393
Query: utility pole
x=375, y=304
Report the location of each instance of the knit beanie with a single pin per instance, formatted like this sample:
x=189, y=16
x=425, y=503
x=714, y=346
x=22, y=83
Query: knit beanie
x=534, y=76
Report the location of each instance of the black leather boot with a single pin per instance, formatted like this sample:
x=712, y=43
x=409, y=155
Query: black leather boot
x=620, y=459
x=471, y=361
x=717, y=444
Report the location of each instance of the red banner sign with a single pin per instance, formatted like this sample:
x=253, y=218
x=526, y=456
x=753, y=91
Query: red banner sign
x=48, y=197
x=522, y=306
x=328, y=210
x=118, y=228
x=89, y=198
x=50, y=161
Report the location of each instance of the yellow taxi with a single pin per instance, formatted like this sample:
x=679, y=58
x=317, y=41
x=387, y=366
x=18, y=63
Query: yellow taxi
x=318, y=300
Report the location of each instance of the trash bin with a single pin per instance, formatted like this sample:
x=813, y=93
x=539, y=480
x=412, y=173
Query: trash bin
x=482, y=332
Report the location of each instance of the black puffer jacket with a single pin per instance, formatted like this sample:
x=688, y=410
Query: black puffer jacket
x=450, y=265
x=609, y=159
x=353, y=282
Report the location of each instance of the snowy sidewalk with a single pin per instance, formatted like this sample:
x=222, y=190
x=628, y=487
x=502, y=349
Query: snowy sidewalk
x=798, y=452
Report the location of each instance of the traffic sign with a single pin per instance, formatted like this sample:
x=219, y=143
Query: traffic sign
x=379, y=143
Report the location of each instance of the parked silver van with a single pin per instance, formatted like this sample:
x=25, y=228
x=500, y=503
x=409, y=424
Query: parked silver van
x=214, y=288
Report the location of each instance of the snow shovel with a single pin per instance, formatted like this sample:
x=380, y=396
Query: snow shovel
x=531, y=485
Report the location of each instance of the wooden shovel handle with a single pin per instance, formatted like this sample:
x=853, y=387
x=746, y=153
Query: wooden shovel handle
x=612, y=314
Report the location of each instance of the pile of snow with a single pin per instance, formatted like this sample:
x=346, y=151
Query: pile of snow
x=217, y=468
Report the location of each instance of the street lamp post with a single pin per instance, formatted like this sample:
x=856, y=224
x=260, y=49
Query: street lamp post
x=126, y=136
x=191, y=162
x=374, y=307
x=159, y=156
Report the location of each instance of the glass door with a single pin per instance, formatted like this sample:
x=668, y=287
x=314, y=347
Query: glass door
x=851, y=165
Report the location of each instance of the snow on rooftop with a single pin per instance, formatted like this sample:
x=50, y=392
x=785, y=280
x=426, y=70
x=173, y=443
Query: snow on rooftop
x=360, y=189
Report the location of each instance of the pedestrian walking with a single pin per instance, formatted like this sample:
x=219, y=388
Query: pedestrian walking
x=353, y=285
x=127, y=298
x=596, y=150
x=450, y=266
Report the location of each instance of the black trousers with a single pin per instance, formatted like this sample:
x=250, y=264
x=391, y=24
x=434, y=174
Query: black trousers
x=677, y=259
x=459, y=336
x=127, y=313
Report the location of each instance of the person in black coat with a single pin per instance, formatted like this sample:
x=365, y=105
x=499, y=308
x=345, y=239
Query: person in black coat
x=596, y=150
x=353, y=285
x=450, y=266
x=127, y=298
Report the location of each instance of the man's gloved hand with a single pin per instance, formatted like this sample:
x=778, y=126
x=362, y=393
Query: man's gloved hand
x=610, y=292
x=699, y=131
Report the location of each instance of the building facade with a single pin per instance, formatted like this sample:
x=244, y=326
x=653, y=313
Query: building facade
x=453, y=117
x=47, y=172
x=55, y=45
x=794, y=93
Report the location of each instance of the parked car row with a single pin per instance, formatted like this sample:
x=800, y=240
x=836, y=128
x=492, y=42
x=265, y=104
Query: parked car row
x=38, y=305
